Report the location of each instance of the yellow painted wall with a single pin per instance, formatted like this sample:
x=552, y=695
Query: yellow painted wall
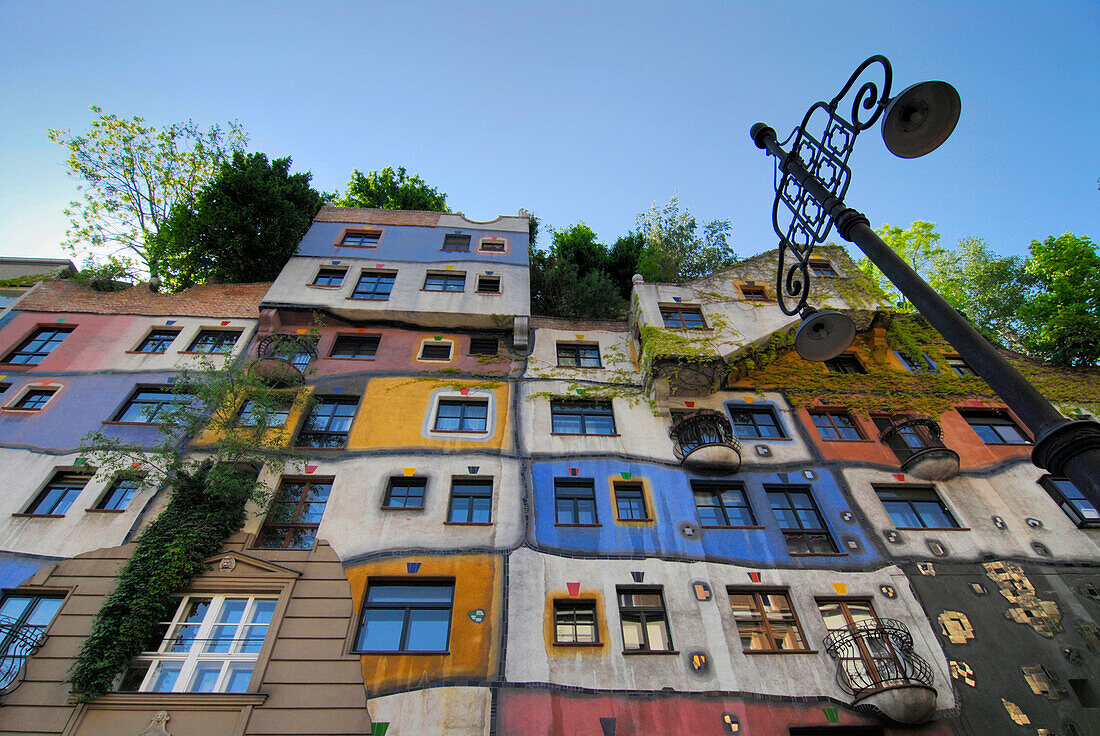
x=276, y=436
x=554, y=650
x=393, y=413
x=474, y=647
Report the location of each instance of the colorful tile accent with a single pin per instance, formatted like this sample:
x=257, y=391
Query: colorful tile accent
x=412, y=567
x=574, y=589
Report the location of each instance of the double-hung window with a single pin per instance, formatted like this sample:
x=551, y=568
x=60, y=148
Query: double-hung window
x=328, y=422
x=462, y=415
x=36, y=347
x=58, y=495
x=755, y=423
x=210, y=646
x=800, y=521
x=215, y=342
x=1071, y=500
x=722, y=505
x=582, y=417
x=676, y=316
x=471, y=502
x=575, y=622
x=149, y=405
x=915, y=507
x=995, y=428
x=355, y=346
x=374, y=285
x=575, y=502
x=836, y=425
x=405, y=493
x=644, y=621
x=578, y=355
x=295, y=514
x=444, y=281
x=157, y=341
x=766, y=621
x=406, y=617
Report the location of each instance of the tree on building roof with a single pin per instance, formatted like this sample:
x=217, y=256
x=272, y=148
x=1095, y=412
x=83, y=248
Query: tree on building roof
x=674, y=250
x=391, y=189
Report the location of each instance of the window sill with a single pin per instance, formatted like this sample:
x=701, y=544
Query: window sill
x=467, y=523
x=779, y=651
x=349, y=357
x=764, y=439
x=636, y=652
x=932, y=528
x=325, y=286
x=487, y=293
x=319, y=449
x=581, y=367
x=585, y=644
x=104, y=511
x=1008, y=444
x=389, y=653
x=367, y=299
x=402, y=508
x=146, y=352
x=582, y=434
x=18, y=366
x=460, y=431
x=180, y=700
x=199, y=352
x=583, y=526
x=707, y=526
x=635, y=521
x=826, y=439
x=130, y=424
x=443, y=291
x=21, y=410
x=38, y=516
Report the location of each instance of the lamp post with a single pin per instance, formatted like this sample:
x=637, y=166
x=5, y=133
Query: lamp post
x=812, y=180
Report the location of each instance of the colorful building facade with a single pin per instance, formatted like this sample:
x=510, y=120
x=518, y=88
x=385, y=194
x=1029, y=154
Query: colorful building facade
x=506, y=524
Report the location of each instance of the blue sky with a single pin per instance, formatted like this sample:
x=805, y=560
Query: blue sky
x=586, y=111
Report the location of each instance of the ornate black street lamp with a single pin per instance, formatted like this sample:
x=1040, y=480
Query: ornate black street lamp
x=810, y=186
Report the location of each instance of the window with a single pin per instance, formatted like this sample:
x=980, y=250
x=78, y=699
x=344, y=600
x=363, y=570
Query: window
x=1071, y=500
x=681, y=317
x=766, y=621
x=488, y=284
x=576, y=355
x=846, y=363
x=722, y=505
x=406, y=617
x=58, y=495
x=582, y=417
x=157, y=341
x=959, y=365
x=908, y=440
x=574, y=502
x=360, y=238
x=645, y=624
x=119, y=494
x=436, y=281
x=915, y=507
x=821, y=268
x=833, y=425
x=800, y=521
x=216, y=342
x=374, y=285
x=355, y=346
x=484, y=346
x=329, y=277
x=23, y=610
x=405, y=493
x=456, y=242
x=630, y=501
x=295, y=514
x=925, y=365
x=995, y=428
x=294, y=349
x=148, y=405
x=753, y=423
x=753, y=293
x=34, y=399
x=253, y=413
x=471, y=502
x=575, y=622
x=36, y=347
x=462, y=415
x=492, y=246
x=211, y=646
x=328, y=422
x=435, y=350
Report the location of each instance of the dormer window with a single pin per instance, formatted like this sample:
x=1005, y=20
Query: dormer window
x=753, y=293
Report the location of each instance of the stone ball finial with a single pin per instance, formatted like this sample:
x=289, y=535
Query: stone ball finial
x=637, y=279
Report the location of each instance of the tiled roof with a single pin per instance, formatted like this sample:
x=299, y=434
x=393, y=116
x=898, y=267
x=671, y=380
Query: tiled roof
x=377, y=217
x=239, y=301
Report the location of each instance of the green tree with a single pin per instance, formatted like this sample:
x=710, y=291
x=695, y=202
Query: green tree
x=571, y=280
x=392, y=190
x=131, y=174
x=243, y=227
x=919, y=245
x=674, y=251
x=1062, y=315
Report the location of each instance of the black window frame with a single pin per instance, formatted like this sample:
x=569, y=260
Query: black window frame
x=456, y=243
x=643, y=616
x=753, y=293
x=324, y=401
x=359, y=238
x=328, y=273
x=470, y=489
x=716, y=491
x=846, y=364
x=355, y=344
x=583, y=410
x=123, y=488
x=757, y=427
x=406, y=483
x=375, y=279
x=630, y=487
x=1069, y=505
x=39, y=396
x=681, y=322
x=991, y=419
x=484, y=281
x=159, y=404
x=407, y=607
x=818, y=417
x=575, y=491
x=215, y=340
x=482, y=245
x=159, y=337
x=567, y=612
x=289, y=532
x=959, y=365
x=480, y=345
x=446, y=281
x=464, y=404
x=909, y=496
x=61, y=479
x=801, y=539
x=33, y=353
x=430, y=345
x=575, y=351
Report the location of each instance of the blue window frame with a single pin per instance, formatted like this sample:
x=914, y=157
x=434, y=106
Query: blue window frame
x=58, y=495
x=36, y=347
x=471, y=502
x=406, y=616
x=582, y=417
x=460, y=415
x=995, y=428
x=157, y=341
x=361, y=238
x=836, y=425
x=722, y=505
x=574, y=502
x=121, y=492
x=445, y=281
x=374, y=285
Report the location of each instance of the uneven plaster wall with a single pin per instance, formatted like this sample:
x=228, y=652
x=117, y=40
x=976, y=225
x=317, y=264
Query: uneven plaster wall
x=455, y=711
x=422, y=243
x=618, y=356
x=698, y=626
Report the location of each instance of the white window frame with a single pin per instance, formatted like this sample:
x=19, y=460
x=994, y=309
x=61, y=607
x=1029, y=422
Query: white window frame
x=192, y=659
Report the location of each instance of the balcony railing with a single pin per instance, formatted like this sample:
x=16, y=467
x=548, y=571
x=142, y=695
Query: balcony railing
x=918, y=444
x=19, y=642
x=704, y=439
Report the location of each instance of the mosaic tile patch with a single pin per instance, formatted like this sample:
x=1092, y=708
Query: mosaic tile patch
x=956, y=627
x=962, y=672
x=1042, y=616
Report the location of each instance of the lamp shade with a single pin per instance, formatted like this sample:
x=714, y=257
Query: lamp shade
x=824, y=335
x=921, y=118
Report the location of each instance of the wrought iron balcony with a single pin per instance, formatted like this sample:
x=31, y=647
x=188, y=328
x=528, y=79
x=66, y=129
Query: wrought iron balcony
x=918, y=443
x=19, y=642
x=704, y=441
x=282, y=358
x=877, y=666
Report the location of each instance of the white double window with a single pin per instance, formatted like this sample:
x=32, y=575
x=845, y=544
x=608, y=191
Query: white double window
x=210, y=646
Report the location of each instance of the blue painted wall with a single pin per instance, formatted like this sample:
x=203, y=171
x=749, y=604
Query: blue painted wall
x=673, y=503
x=409, y=243
x=15, y=568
